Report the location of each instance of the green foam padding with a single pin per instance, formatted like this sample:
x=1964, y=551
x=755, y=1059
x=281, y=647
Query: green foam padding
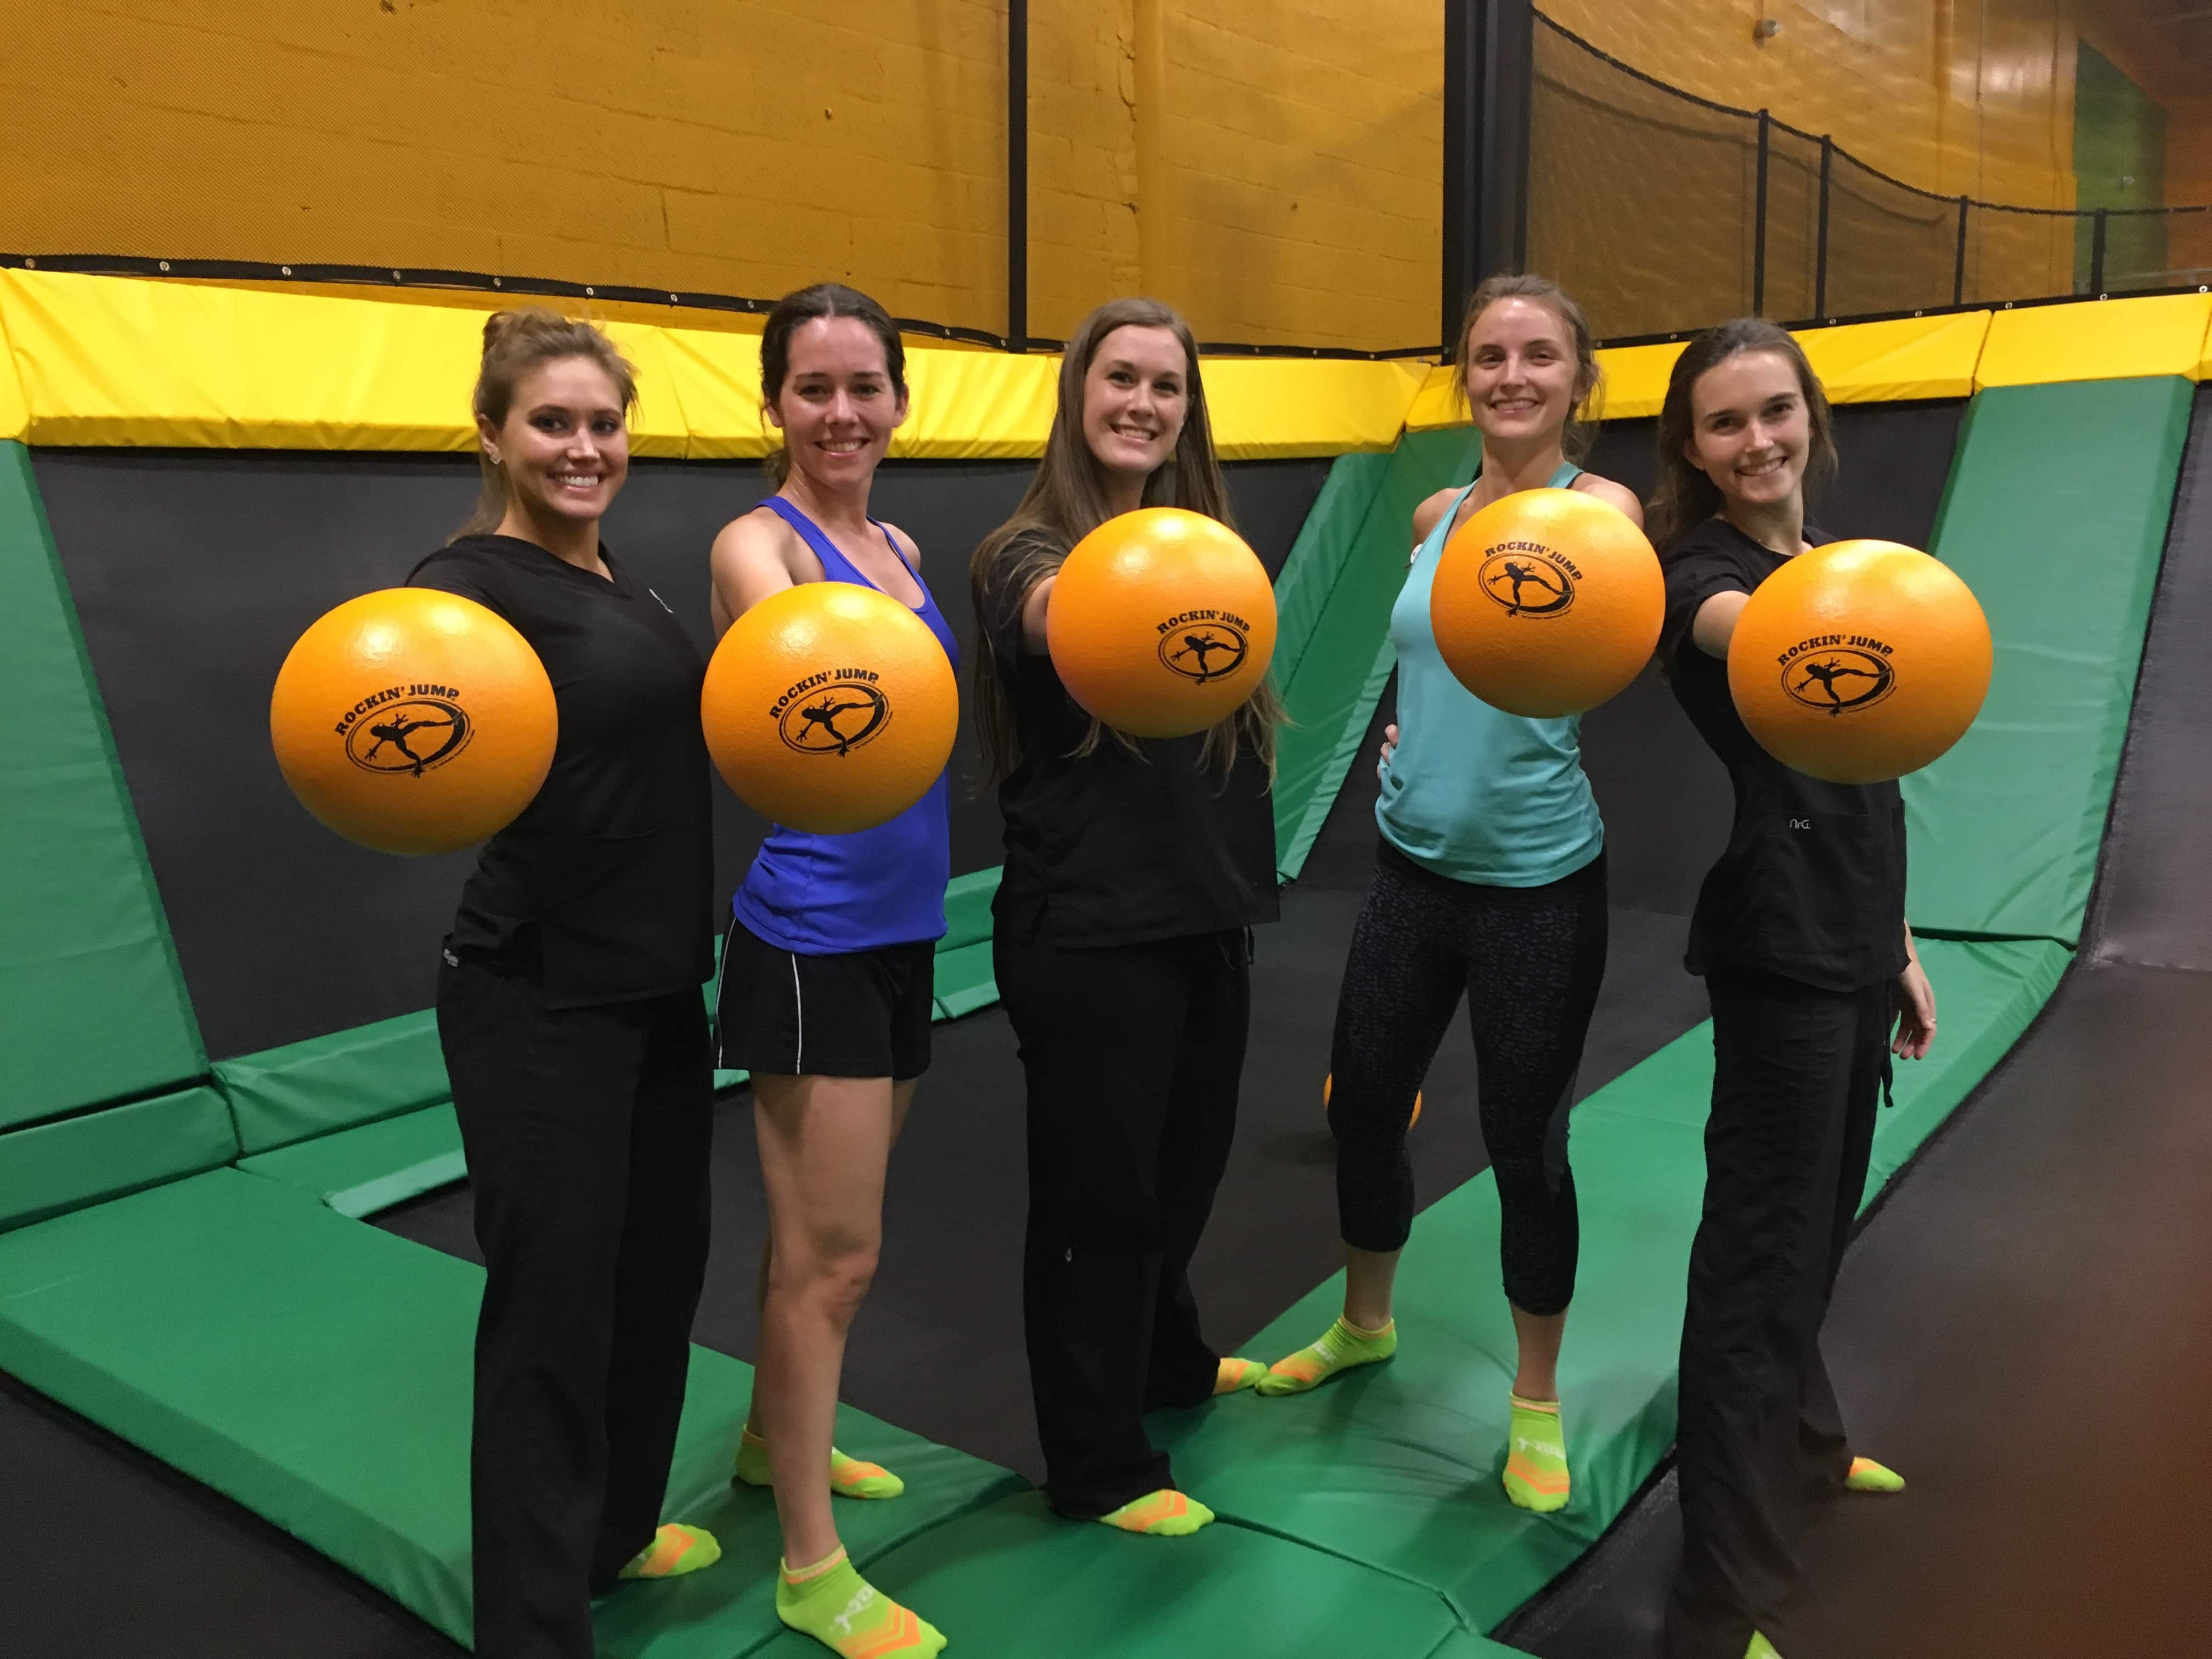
x=965, y=980
x=967, y=909
x=71, y=1162
x=358, y=1171
x=318, y=1371
x=1014, y=1579
x=359, y=1076
x=1396, y=1466
x=1316, y=562
x=2056, y=516
x=92, y=1005
x=1331, y=688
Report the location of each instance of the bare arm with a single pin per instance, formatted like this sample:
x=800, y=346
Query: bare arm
x=1715, y=625
x=748, y=563
x=1035, y=608
x=1914, y=999
x=1430, y=511
x=1616, y=495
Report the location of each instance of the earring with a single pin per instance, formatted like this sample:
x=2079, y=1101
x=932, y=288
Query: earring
x=491, y=457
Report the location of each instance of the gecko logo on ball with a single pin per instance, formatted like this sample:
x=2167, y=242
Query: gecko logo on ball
x=1204, y=645
x=1528, y=579
x=407, y=729
x=832, y=713
x=1834, y=673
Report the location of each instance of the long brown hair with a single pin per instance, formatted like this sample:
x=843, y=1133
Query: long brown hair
x=514, y=342
x=1686, y=496
x=1065, y=501
x=1581, y=430
x=803, y=305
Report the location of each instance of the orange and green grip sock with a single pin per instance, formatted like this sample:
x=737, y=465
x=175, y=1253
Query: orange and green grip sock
x=1342, y=1345
x=1536, y=1457
x=675, y=1550
x=1166, y=1513
x=1867, y=1475
x=849, y=1616
x=848, y=1476
x=1235, y=1375
x=1760, y=1647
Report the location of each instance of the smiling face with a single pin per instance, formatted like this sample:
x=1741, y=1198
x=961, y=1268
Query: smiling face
x=837, y=407
x=563, y=448
x=1135, y=395
x=1523, y=379
x=1750, y=430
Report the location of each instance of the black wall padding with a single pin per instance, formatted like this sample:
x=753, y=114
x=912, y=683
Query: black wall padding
x=193, y=572
x=2153, y=905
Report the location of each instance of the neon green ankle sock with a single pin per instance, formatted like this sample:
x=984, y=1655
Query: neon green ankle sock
x=1238, y=1375
x=675, y=1550
x=1166, y=1513
x=1536, y=1457
x=849, y=1616
x=1342, y=1345
x=1760, y=1647
x=1867, y=1475
x=848, y=1476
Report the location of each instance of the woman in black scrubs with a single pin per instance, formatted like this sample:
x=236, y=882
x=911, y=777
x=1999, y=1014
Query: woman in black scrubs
x=1800, y=935
x=1135, y=871
x=572, y=1021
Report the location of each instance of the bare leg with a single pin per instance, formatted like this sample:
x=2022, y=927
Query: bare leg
x=1369, y=1276
x=824, y=1143
x=902, y=1100
x=1537, y=1375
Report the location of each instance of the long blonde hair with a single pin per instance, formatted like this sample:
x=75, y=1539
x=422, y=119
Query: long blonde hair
x=1065, y=501
x=514, y=342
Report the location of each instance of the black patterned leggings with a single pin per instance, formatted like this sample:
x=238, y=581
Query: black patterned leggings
x=1528, y=961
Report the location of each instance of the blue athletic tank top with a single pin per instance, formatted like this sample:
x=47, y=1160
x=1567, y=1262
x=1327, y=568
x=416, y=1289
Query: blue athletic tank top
x=827, y=895
x=1472, y=792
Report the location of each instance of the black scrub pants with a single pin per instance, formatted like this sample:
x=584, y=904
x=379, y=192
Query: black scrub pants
x=1132, y=1055
x=1798, y=1076
x=587, y=1131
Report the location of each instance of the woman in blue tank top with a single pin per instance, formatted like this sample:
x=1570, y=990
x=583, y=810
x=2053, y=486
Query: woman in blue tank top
x=827, y=989
x=1489, y=885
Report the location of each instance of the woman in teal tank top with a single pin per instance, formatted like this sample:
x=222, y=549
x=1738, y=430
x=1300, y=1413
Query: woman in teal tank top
x=1489, y=885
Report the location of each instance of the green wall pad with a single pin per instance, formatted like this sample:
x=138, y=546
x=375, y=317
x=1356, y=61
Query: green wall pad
x=105, y=1153
x=2056, y=517
x=92, y=1006
x=318, y=1371
x=1331, y=688
x=357, y=1172
x=1013, y=1579
x=1396, y=1466
x=307, y=1089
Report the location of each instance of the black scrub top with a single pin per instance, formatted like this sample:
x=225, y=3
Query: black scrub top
x=1812, y=883
x=604, y=885
x=1116, y=846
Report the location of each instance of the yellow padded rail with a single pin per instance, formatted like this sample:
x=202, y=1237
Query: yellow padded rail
x=1858, y=362
x=2098, y=340
x=1908, y=357
x=127, y=361
x=15, y=413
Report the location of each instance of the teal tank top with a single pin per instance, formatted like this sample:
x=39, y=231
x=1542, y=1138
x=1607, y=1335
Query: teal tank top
x=1472, y=793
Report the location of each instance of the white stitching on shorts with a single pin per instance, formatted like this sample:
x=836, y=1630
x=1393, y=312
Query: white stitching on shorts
x=799, y=1001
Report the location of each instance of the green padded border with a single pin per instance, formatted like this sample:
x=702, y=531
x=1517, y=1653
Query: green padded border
x=358, y=1171
x=349, y=1078
x=1330, y=690
x=318, y=1371
x=71, y=1162
x=93, y=1004
x=1396, y=1467
x=2055, y=515
x=1011, y=1578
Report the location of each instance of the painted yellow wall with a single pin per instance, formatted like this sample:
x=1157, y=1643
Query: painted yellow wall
x=746, y=147
x=1272, y=169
